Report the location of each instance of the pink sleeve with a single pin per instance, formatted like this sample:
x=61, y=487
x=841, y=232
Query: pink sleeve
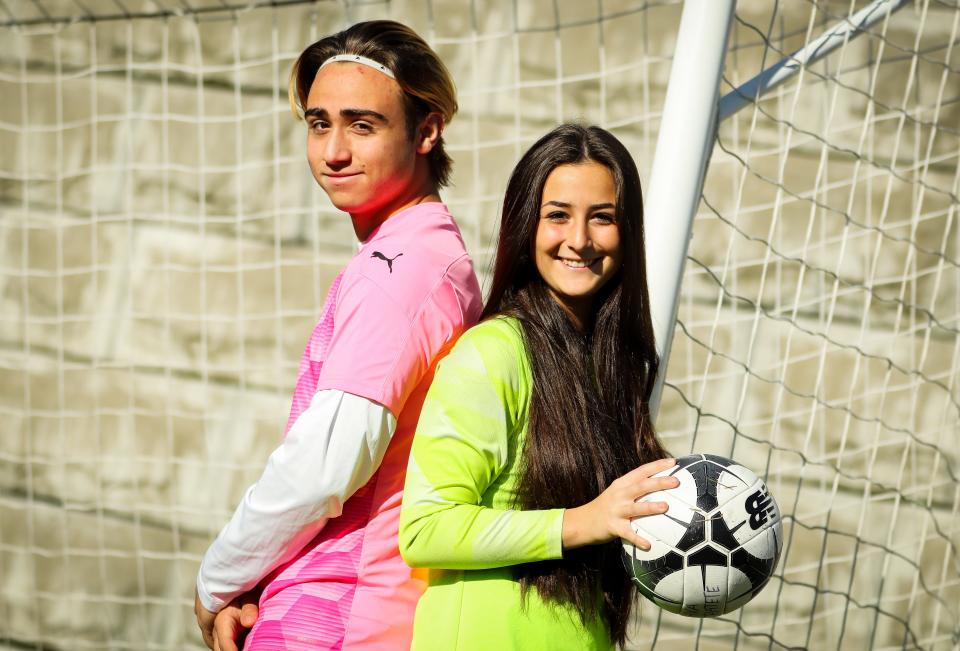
x=384, y=344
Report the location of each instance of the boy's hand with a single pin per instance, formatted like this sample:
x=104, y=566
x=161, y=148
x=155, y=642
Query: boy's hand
x=234, y=622
x=205, y=619
x=221, y=631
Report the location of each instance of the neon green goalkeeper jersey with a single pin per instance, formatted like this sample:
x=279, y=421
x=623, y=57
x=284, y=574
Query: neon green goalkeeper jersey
x=458, y=518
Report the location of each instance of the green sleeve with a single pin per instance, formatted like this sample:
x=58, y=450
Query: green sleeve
x=461, y=446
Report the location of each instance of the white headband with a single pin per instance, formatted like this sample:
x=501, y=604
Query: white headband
x=356, y=58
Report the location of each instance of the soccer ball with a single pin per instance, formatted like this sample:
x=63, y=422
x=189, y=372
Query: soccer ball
x=715, y=547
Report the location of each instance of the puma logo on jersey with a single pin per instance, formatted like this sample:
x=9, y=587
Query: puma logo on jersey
x=389, y=261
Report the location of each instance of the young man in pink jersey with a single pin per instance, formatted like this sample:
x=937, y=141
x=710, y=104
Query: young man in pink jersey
x=316, y=536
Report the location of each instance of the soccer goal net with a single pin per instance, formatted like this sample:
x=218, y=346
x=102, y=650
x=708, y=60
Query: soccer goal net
x=164, y=253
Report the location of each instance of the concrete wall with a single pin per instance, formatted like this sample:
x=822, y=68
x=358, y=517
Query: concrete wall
x=164, y=254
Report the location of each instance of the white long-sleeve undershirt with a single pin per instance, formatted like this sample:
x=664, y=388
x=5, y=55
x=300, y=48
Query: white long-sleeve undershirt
x=330, y=452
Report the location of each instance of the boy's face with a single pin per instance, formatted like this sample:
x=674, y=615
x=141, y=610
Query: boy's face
x=358, y=145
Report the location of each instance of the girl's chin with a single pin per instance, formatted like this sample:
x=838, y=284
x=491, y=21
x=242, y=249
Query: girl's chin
x=572, y=299
x=577, y=293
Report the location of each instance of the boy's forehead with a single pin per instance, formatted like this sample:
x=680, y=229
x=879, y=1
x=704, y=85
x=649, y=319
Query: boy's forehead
x=346, y=84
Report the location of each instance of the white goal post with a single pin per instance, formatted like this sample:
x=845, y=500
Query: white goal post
x=691, y=113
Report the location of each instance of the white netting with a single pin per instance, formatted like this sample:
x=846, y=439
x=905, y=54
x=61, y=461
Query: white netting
x=164, y=252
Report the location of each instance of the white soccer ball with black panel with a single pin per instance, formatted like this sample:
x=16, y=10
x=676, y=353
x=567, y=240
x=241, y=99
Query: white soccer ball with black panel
x=715, y=547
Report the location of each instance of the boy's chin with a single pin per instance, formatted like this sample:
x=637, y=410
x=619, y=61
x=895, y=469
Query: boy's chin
x=344, y=203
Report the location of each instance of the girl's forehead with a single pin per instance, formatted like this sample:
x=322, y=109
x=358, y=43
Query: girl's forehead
x=576, y=183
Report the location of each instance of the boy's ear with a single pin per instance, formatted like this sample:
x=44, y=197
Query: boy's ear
x=429, y=132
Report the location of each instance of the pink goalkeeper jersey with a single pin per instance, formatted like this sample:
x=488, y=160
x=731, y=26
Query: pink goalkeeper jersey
x=389, y=316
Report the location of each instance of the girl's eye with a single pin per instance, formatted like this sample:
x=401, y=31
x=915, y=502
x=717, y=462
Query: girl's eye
x=556, y=216
x=605, y=218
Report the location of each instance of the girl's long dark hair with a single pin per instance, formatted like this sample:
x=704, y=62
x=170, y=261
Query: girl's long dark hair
x=588, y=422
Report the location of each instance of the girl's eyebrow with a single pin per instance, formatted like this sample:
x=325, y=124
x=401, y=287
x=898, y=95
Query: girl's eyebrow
x=562, y=204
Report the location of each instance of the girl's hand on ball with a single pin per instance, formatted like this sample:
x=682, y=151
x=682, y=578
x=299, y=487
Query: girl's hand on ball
x=608, y=516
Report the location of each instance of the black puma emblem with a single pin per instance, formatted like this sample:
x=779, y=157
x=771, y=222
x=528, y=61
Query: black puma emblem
x=389, y=261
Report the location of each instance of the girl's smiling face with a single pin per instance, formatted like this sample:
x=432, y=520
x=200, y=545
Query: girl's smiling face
x=577, y=244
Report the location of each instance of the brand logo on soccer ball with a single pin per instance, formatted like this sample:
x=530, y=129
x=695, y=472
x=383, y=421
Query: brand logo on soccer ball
x=759, y=506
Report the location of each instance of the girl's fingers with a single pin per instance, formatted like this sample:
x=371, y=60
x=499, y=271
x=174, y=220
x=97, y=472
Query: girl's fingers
x=644, y=486
x=648, y=469
x=659, y=465
x=644, y=509
x=635, y=539
x=655, y=484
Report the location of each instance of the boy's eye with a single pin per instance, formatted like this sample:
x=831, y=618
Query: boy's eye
x=362, y=127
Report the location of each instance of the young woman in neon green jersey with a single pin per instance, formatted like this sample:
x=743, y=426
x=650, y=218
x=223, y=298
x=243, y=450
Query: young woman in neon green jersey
x=535, y=440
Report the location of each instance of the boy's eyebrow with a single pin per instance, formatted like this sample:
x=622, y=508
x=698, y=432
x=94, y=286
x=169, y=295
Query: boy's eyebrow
x=353, y=113
x=363, y=113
